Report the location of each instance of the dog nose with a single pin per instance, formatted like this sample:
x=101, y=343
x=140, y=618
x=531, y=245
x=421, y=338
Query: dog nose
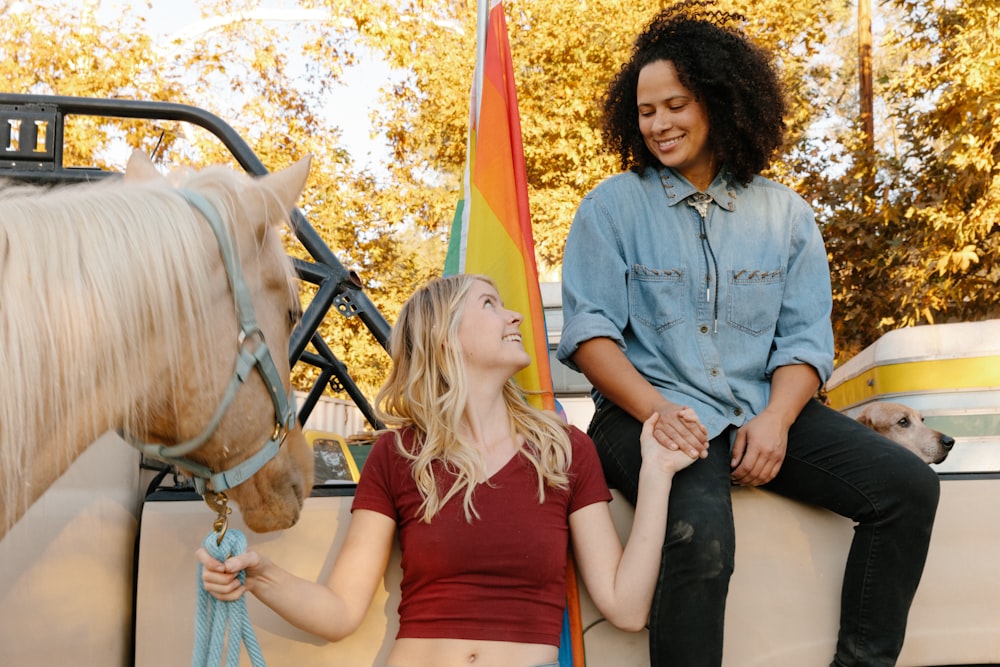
x=947, y=441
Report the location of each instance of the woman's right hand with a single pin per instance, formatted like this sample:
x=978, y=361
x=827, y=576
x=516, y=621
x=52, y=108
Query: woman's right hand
x=678, y=428
x=220, y=579
x=614, y=376
x=661, y=458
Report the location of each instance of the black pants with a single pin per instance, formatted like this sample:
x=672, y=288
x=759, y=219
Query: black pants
x=831, y=461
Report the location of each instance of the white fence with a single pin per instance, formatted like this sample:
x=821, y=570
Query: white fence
x=334, y=415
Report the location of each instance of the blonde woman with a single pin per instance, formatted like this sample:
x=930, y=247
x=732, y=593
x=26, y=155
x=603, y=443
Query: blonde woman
x=485, y=493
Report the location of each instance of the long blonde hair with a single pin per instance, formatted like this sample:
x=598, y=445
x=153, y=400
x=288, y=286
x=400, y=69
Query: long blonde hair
x=426, y=392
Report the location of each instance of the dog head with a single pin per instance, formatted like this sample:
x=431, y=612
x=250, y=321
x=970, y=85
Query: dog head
x=904, y=425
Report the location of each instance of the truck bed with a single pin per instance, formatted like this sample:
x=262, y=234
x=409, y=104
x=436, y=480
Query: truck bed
x=66, y=585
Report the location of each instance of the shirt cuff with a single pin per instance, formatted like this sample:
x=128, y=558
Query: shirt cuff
x=580, y=329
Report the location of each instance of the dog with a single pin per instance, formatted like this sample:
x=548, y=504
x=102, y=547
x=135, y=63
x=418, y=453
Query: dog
x=905, y=426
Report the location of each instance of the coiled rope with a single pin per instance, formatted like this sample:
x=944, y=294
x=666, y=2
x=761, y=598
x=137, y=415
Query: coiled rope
x=214, y=618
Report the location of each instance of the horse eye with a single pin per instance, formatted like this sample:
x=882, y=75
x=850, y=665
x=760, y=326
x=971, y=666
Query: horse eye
x=294, y=315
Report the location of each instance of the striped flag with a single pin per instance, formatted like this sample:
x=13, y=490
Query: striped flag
x=491, y=232
x=491, y=235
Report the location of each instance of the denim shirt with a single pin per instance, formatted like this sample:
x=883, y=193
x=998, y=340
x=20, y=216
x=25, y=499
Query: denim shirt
x=705, y=293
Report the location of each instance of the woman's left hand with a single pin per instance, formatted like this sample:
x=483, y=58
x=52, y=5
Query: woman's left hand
x=759, y=450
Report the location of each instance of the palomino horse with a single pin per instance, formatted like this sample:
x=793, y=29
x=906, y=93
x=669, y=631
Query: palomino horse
x=117, y=312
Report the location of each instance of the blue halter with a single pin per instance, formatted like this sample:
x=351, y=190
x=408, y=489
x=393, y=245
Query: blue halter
x=253, y=354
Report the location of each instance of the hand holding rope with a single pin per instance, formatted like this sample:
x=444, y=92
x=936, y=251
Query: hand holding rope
x=214, y=618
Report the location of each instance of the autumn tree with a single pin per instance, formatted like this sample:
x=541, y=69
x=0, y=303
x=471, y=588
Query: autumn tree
x=948, y=157
x=274, y=78
x=564, y=52
x=919, y=247
x=922, y=246
x=65, y=49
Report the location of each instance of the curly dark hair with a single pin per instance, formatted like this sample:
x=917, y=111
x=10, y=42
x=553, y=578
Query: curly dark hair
x=734, y=79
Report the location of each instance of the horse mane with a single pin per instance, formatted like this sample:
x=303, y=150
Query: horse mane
x=96, y=281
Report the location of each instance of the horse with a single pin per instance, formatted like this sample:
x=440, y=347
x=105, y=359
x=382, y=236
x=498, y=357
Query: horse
x=118, y=312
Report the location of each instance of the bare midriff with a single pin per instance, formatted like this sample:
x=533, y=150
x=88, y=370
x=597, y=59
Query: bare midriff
x=410, y=652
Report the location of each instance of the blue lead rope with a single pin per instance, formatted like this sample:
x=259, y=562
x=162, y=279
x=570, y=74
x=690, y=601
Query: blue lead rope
x=213, y=618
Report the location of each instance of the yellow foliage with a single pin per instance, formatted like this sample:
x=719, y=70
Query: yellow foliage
x=916, y=247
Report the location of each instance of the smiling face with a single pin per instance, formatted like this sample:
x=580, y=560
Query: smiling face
x=674, y=124
x=489, y=334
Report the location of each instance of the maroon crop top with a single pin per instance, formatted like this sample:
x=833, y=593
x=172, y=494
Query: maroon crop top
x=501, y=577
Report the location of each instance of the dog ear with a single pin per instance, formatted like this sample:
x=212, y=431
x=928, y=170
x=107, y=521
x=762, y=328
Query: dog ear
x=865, y=418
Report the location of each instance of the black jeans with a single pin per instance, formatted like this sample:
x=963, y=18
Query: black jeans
x=831, y=461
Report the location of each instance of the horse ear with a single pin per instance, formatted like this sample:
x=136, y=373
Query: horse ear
x=141, y=168
x=287, y=186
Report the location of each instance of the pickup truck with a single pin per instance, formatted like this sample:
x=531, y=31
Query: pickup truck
x=101, y=570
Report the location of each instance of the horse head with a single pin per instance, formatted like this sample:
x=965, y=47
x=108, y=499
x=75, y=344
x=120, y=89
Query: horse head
x=231, y=424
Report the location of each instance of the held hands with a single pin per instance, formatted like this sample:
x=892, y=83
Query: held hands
x=678, y=428
x=661, y=458
x=759, y=450
x=220, y=579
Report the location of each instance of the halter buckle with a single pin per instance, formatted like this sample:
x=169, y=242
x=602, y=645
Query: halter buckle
x=279, y=433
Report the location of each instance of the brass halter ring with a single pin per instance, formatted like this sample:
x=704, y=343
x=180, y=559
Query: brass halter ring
x=219, y=503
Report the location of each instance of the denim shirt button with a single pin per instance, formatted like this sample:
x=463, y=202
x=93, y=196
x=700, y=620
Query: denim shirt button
x=714, y=372
x=738, y=412
x=703, y=329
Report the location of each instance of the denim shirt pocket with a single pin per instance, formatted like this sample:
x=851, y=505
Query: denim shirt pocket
x=755, y=299
x=656, y=296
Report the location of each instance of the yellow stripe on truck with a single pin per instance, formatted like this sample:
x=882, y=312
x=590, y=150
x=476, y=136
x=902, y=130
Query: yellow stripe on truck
x=917, y=376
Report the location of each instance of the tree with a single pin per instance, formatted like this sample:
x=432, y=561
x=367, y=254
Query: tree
x=273, y=84
x=565, y=52
x=948, y=103
x=39, y=53
x=922, y=248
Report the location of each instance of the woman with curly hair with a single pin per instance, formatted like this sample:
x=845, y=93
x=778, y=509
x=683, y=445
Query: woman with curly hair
x=485, y=493
x=696, y=290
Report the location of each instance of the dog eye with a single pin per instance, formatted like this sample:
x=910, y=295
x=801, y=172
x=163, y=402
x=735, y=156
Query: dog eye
x=905, y=421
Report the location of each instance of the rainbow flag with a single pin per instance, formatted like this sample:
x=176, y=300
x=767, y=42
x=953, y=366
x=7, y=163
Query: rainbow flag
x=491, y=234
